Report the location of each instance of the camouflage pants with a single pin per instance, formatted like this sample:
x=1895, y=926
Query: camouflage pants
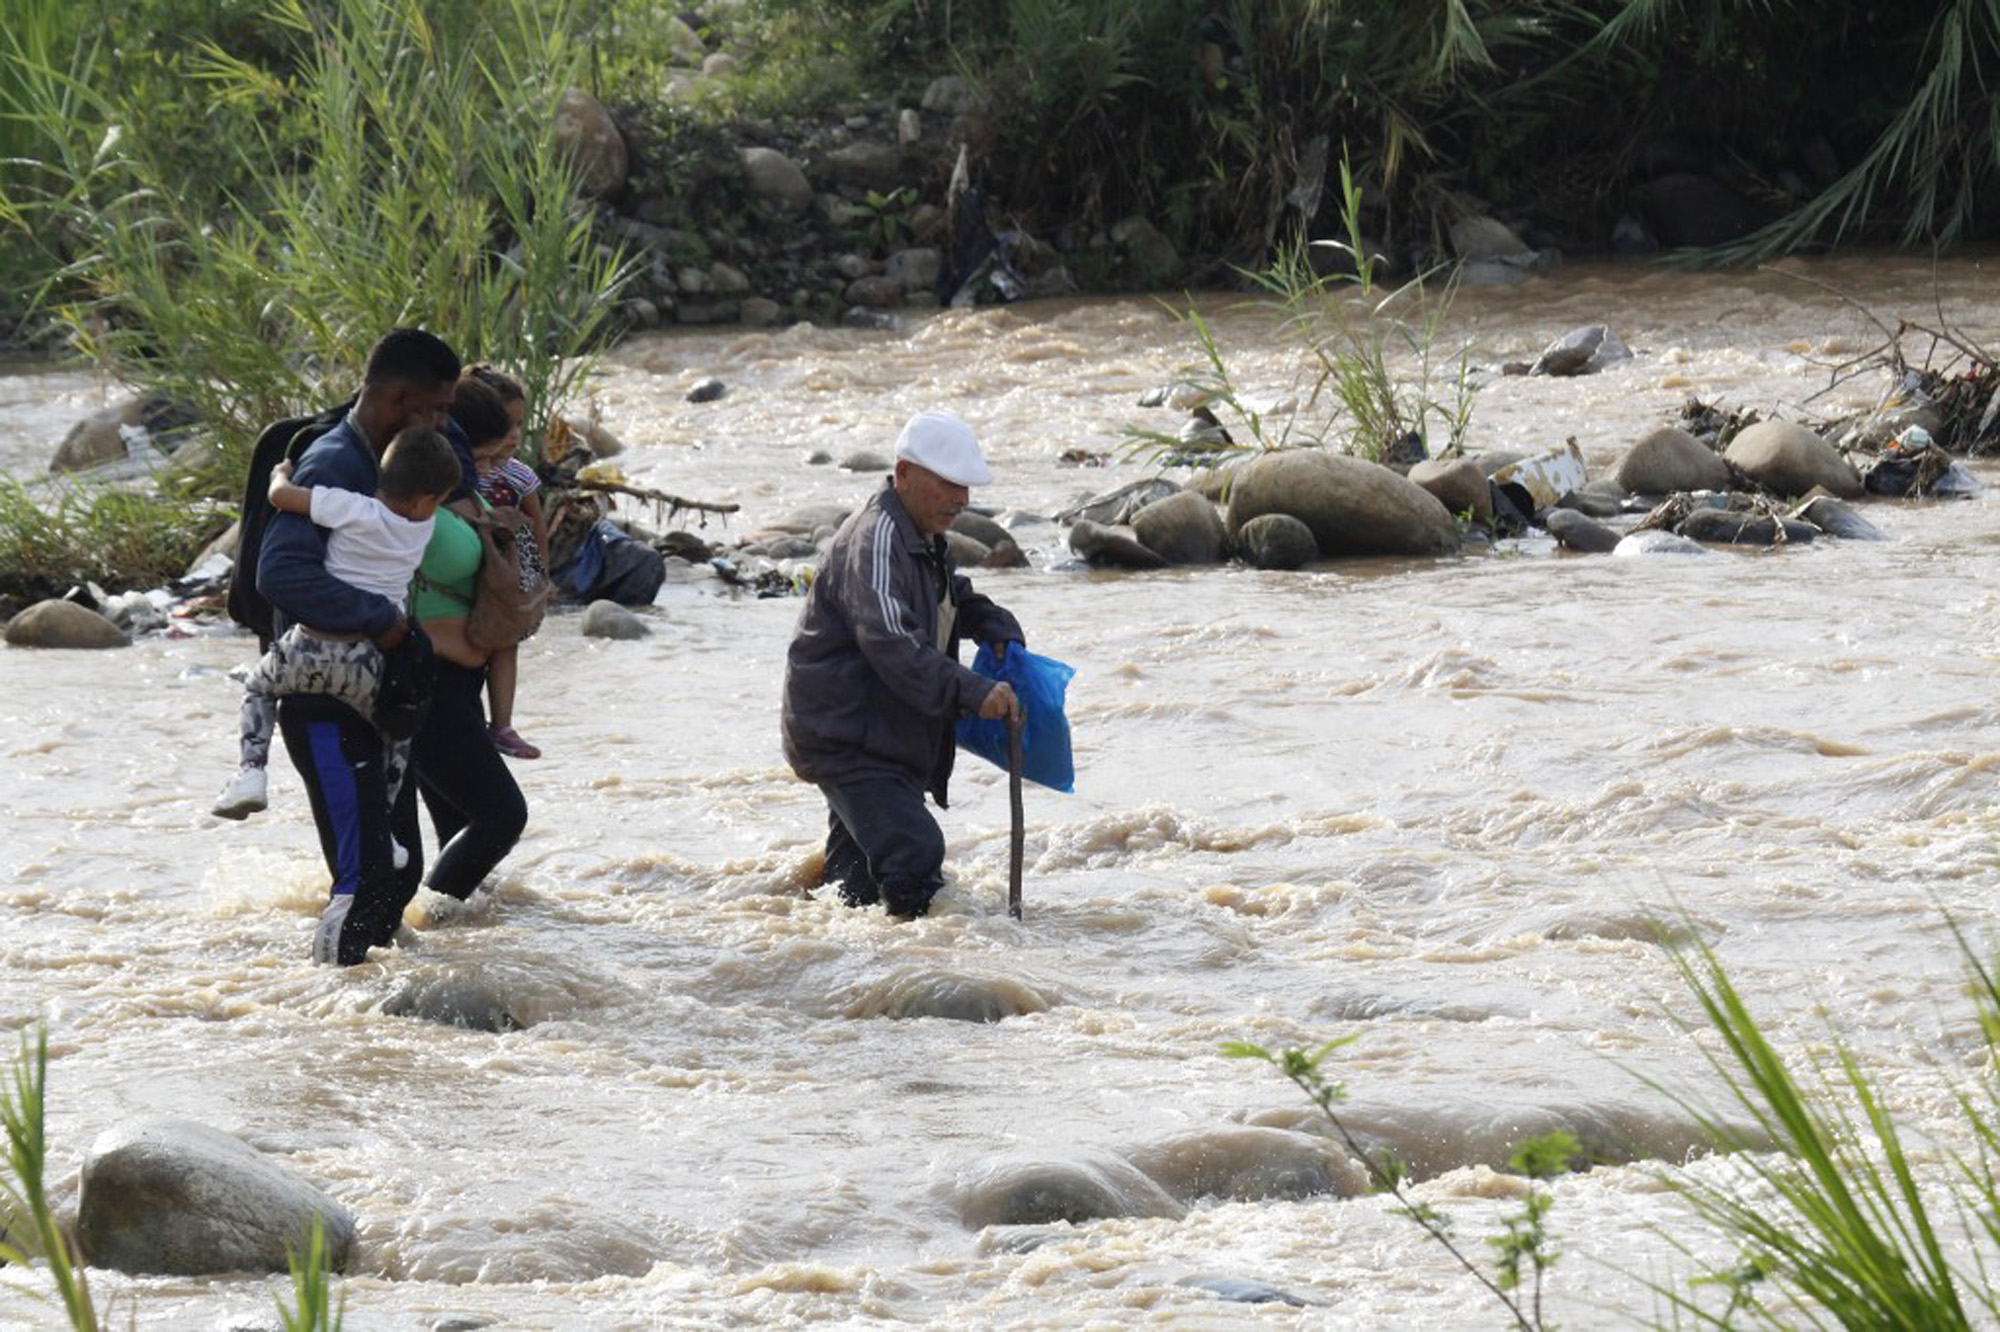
x=303, y=663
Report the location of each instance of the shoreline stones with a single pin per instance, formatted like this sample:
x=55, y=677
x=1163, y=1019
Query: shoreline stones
x=173, y=1197
x=1117, y=546
x=1459, y=484
x=1578, y=531
x=608, y=619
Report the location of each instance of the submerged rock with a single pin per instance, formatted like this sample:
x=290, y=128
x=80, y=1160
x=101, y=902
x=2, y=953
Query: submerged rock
x=1582, y=351
x=1668, y=461
x=467, y=999
x=707, y=390
x=1577, y=531
x=1352, y=507
x=1243, y=1290
x=1244, y=1163
x=1118, y=547
x=1640, y=545
x=1791, y=460
x=63, y=624
x=1277, y=541
x=1837, y=519
x=1085, y=1188
x=177, y=1198
x=1182, y=529
x=952, y=995
x=1735, y=527
x=608, y=619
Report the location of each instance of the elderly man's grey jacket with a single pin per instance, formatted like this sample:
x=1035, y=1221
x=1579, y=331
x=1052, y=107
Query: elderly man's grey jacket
x=868, y=691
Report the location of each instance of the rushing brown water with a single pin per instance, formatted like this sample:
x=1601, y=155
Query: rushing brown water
x=1428, y=804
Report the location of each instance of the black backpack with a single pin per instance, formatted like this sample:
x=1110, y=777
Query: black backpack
x=285, y=440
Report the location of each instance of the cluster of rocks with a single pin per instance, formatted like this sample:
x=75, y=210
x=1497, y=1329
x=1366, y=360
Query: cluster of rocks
x=851, y=220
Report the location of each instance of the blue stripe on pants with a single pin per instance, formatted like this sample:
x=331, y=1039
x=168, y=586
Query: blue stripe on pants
x=343, y=804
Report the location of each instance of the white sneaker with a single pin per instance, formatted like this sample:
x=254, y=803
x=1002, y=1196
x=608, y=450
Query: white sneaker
x=326, y=935
x=244, y=795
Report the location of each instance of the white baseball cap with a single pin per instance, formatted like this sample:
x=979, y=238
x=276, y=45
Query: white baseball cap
x=940, y=442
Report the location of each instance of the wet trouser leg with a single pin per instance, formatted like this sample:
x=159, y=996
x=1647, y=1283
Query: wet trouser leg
x=476, y=807
x=883, y=844
x=339, y=757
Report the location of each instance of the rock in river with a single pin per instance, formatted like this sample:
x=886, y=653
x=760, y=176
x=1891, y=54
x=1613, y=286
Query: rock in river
x=1085, y=1188
x=1580, y=532
x=1182, y=529
x=1670, y=460
x=1118, y=547
x=63, y=624
x=1353, y=507
x=1791, y=460
x=178, y=1198
x=608, y=619
x=1277, y=541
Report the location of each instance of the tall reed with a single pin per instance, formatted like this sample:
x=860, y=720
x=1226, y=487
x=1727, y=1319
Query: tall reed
x=24, y=1189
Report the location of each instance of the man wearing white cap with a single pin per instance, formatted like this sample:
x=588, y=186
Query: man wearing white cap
x=873, y=684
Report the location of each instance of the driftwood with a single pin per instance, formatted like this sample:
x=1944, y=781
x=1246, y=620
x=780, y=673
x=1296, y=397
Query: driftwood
x=1949, y=369
x=664, y=505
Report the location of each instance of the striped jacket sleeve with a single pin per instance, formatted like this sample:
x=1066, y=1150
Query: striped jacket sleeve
x=884, y=605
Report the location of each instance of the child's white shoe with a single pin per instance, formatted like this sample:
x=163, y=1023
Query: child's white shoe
x=244, y=795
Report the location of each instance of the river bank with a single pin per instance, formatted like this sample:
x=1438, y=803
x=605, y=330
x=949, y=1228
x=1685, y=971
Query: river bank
x=1430, y=803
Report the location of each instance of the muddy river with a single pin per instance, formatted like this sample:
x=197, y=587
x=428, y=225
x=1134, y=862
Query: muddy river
x=1432, y=805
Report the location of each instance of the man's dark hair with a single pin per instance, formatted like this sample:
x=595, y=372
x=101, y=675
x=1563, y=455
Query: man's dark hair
x=411, y=356
x=480, y=413
x=418, y=462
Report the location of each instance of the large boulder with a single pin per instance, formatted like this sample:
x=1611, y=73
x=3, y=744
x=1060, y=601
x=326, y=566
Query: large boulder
x=1248, y=1163
x=1477, y=237
x=1670, y=460
x=1791, y=460
x=1836, y=519
x=1352, y=507
x=63, y=624
x=100, y=437
x=979, y=527
x=177, y=1198
x=1459, y=484
x=1182, y=529
x=776, y=179
x=1277, y=541
x=585, y=132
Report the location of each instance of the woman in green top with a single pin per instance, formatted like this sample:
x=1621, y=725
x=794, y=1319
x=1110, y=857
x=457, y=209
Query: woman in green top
x=476, y=807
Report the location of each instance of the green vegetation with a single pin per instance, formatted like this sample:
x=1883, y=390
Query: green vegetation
x=363, y=165
x=313, y=1308
x=28, y=1228
x=120, y=539
x=1374, y=380
x=1836, y=1226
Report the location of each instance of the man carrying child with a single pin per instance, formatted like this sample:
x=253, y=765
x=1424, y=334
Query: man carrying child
x=337, y=750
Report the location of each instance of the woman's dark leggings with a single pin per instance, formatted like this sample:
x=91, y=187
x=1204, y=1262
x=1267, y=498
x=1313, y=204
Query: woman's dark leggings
x=476, y=807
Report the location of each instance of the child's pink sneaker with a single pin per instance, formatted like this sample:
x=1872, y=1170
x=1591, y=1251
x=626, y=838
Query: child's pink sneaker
x=509, y=742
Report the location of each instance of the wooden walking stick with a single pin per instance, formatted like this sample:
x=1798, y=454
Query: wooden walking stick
x=1019, y=834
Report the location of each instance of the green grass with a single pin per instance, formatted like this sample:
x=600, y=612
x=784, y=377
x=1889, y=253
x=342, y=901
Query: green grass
x=119, y=539
x=24, y=1190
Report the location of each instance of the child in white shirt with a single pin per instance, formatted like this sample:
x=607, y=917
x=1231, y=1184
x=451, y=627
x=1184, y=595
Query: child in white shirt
x=374, y=543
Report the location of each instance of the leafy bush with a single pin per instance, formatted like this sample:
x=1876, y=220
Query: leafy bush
x=120, y=539
x=394, y=168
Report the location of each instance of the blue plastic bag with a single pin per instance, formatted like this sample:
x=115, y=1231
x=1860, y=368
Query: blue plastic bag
x=1040, y=683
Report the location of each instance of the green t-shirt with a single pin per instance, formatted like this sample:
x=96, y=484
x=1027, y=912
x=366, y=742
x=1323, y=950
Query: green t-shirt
x=444, y=583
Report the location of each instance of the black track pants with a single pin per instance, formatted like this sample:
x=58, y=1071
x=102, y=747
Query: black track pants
x=883, y=845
